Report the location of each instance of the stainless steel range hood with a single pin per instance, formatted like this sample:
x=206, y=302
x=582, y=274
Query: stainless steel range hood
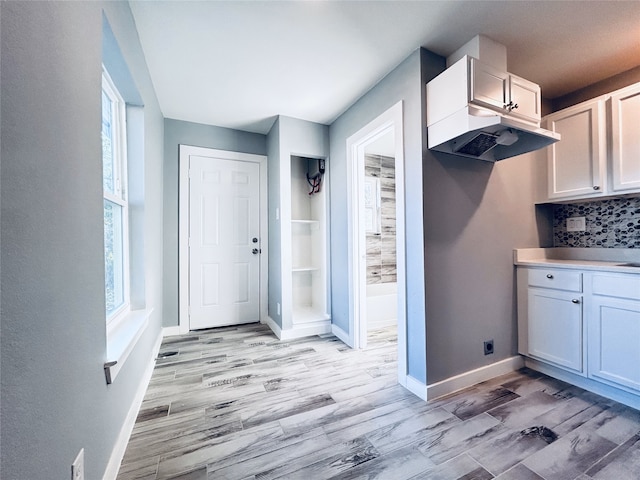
x=474, y=133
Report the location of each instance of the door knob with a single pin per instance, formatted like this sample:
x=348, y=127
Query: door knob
x=254, y=240
x=255, y=251
x=575, y=300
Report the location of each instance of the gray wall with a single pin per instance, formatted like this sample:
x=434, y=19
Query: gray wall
x=607, y=85
x=178, y=133
x=275, y=235
x=54, y=398
x=404, y=83
x=288, y=136
x=476, y=214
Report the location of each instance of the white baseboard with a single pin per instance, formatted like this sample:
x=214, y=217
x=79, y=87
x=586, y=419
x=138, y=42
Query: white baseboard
x=416, y=387
x=341, y=334
x=117, y=454
x=171, y=331
x=473, y=377
x=298, y=331
x=275, y=328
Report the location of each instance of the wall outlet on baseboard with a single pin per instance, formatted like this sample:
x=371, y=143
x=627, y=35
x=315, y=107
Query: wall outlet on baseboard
x=77, y=467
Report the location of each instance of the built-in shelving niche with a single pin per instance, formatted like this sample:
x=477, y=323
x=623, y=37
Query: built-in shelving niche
x=308, y=246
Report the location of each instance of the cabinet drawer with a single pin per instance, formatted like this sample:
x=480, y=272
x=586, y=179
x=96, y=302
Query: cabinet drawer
x=620, y=286
x=558, y=279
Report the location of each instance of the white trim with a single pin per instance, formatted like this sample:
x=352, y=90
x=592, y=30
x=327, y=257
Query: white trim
x=391, y=120
x=416, y=387
x=183, y=225
x=275, y=328
x=122, y=339
x=120, y=195
x=340, y=333
x=299, y=331
x=171, y=331
x=473, y=377
x=117, y=454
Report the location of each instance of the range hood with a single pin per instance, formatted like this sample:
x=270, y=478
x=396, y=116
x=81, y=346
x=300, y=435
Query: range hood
x=472, y=106
x=475, y=133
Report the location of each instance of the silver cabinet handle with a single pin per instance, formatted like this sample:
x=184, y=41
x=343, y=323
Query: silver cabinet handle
x=575, y=300
x=549, y=276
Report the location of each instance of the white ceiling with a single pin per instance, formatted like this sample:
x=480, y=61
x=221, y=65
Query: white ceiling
x=238, y=64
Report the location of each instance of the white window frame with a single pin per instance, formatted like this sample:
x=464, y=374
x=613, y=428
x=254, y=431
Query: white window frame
x=119, y=197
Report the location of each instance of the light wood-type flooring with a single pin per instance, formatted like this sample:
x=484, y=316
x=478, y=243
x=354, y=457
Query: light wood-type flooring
x=237, y=403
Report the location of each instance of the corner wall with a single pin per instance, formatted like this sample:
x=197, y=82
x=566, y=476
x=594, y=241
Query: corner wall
x=176, y=133
x=54, y=397
x=476, y=214
x=404, y=84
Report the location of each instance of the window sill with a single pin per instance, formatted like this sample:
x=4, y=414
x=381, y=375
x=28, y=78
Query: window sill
x=122, y=339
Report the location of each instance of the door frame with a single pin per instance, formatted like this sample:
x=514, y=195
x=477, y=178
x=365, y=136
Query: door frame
x=183, y=225
x=390, y=120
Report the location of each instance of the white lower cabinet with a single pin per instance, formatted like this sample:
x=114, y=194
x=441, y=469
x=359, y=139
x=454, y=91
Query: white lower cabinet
x=614, y=331
x=555, y=327
x=555, y=317
x=586, y=323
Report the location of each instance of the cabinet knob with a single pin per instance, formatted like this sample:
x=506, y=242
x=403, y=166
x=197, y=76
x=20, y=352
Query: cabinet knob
x=549, y=276
x=596, y=187
x=575, y=300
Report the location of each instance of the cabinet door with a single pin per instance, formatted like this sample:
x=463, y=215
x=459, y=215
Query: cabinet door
x=625, y=136
x=614, y=341
x=576, y=164
x=555, y=327
x=488, y=86
x=525, y=96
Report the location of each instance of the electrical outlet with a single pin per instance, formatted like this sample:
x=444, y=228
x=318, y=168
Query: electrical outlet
x=77, y=467
x=488, y=347
x=576, y=224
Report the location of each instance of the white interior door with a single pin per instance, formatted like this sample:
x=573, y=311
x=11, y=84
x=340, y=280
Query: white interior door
x=224, y=242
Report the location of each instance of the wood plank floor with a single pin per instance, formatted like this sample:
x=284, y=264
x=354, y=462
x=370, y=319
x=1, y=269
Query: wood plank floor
x=236, y=403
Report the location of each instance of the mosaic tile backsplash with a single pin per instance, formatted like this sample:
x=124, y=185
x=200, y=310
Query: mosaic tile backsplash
x=613, y=223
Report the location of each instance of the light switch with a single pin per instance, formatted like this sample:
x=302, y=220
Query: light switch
x=576, y=224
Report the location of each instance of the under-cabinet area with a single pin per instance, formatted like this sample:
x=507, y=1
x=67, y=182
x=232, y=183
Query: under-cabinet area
x=580, y=321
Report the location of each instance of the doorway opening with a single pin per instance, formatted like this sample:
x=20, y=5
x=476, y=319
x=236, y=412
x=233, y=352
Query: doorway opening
x=222, y=238
x=376, y=213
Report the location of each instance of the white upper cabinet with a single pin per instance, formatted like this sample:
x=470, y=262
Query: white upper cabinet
x=625, y=139
x=526, y=96
x=471, y=82
x=599, y=154
x=576, y=163
x=504, y=92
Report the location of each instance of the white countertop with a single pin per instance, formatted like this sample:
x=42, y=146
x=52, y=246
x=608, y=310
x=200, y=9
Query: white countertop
x=602, y=259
